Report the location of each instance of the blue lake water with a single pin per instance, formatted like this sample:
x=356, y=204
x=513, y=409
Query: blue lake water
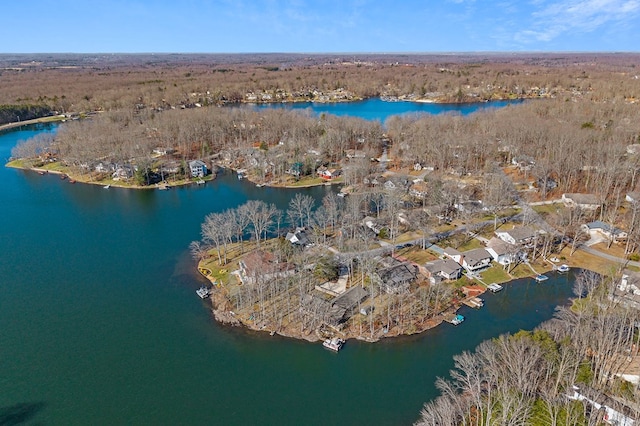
x=377, y=109
x=100, y=323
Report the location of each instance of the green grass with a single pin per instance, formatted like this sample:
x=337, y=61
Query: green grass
x=495, y=274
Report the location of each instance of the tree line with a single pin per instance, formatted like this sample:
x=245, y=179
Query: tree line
x=528, y=377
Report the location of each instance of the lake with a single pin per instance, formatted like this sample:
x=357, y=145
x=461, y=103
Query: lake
x=101, y=323
x=377, y=109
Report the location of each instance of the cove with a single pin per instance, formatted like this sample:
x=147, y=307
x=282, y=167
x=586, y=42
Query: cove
x=377, y=109
x=101, y=324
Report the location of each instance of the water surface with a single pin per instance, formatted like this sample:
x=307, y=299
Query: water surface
x=101, y=324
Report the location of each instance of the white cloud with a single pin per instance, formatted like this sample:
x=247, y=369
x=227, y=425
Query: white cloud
x=553, y=20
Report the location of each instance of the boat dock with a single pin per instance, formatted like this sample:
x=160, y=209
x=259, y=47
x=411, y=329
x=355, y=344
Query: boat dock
x=474, y=302
x=539, y=278
x=494, y=288
x=455, y=319
x=203, y=292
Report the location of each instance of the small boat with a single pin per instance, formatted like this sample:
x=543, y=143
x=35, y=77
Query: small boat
x=72, y=181
x=457, y=319
x=494, y=288
x=541, y=278
x=203, y=292
x=475, y=302
x=259, y=185
x=40, y=172
x=342, y=194
x=334, y=344
x=563, y=268
x=200, y=182
x=240, y=176
x=63, y=177
x=107, y=186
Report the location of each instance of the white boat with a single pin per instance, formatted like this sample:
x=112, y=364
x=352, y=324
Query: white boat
x=203, y=292
x=563, y=268
x=457, y=319
x=334, y=344
x=107, y=186
x=494, y=288
x=200, y=182
x=541, y=278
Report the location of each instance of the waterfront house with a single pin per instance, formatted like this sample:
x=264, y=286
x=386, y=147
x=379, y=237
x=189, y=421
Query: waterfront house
x=502, y=252
x=105, y=167
x=519, y=235
x=476, y=259
x=298, y=237
x=445, y=268
x=198, y=168
x=124, y=171
x=395, y=276
x=599, y=227
x=260, y=265
x=589, y=202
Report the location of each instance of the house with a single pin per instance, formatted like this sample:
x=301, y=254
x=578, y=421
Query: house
x=419, y=189
x=336, y=311
x=584, y=201
x=105, y=167
x=298, y=237
x=163, y=151
x=328, y=174
x=614, y=413
x=519, y=235
x=197, y=168
x=603, y=228
x=501, y=251
x=476, y=259
x=122, y=172
x=260, y=265
x=395, y=276
x=370, y=223
x=445, y=268
x=633, y=197
x=454, y=254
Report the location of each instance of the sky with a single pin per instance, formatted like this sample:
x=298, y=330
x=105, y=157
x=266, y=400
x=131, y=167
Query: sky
x=317, y=26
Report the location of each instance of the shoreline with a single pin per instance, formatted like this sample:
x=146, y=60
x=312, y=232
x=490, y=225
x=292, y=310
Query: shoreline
x=111, y=184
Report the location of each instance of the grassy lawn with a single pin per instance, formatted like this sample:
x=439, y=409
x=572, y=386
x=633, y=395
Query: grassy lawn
x=470, y=244
x=521, y=271
x=495, y=274
x=416, y=254
x=581, y=259
x=546, y=209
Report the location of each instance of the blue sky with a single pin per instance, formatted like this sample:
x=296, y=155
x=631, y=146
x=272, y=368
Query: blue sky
x=319, y=25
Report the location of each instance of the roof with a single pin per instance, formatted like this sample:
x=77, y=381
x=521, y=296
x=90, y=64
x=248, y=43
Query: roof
x=476, y=255
x=446, y=266
x=500, y=247
x=351, y=297
x=450, y=251
x=521, y=233
x=598, y=224
x=197, y=163
x=583, y=198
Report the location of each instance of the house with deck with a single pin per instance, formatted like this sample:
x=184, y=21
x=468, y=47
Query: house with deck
x=197, y=168
x=447, y=269
x=476, y=260
x=502, y=252
x=263, y=266
x=395, y=276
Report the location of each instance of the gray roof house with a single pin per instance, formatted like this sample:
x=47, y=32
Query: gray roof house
x=445, y=268
x=476, y=259
x=395, y=276
x=197, y=168
x=501, y=251
x=517, y=235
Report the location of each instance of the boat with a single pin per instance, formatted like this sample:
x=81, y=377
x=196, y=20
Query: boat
x=259, y=185
x=72, y=181
x=41, y=173
x=334, y=344
x=541, y=278
x=563, y=268
x=475, y=302
x=457, y=319
x=107, y=186
x=494, y=288
x=63, y=177
x=342, y=194
x=200, y=182
x=203, y=292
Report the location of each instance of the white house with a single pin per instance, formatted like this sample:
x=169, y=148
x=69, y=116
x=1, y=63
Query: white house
x=501, y=251
x=454, y=254
x=476, y=259
x=198, y=168
x=445, y=268
x=600, y=227
x=518, y=235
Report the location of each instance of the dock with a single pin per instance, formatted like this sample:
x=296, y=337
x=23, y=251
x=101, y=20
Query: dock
x=494, y=288
x=474, y=302
x=455, y=319
x=539, y=278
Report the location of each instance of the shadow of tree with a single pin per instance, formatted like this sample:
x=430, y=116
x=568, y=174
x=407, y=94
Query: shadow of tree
x=19, y=413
